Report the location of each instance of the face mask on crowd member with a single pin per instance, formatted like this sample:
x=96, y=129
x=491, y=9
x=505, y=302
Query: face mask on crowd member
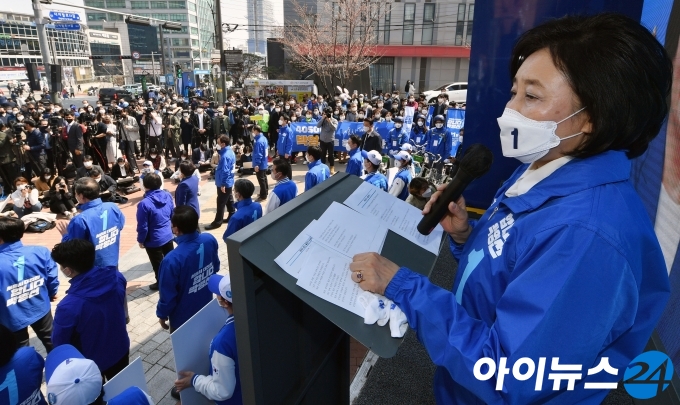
x=439, y=125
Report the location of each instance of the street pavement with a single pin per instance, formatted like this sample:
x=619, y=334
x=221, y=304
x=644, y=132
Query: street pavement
x=148, y=340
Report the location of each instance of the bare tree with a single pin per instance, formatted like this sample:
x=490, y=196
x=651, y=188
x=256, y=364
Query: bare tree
x=338, y=42
x=251, y=68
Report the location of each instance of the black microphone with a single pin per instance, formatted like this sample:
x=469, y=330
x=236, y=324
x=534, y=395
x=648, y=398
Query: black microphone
x=475, y=163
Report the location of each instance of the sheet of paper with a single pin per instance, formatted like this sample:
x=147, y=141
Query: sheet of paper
x=401, y=217
x=348, y=231
x=292, y=259
x=326, y=274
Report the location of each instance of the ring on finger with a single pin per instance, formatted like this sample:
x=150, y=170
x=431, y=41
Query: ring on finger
x=360, y=277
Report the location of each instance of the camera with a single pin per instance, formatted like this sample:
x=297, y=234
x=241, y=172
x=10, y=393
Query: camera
x=18, y=128
x=55, y=121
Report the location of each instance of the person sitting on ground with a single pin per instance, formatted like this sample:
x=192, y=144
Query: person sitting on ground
x=107, y=185
x=285, y=189
x=61, y=366
x=157, y=159
x=223, y=385
x=372, y=160
x=247, y=210
x=91, y=315
x=201, y=157
x=44, y=183
x=419, y=192
x=62, y=201
x=147, y=167
x=88, y=165
x=246, y=157
x=318, y=171
x=70, y=172
x=122, y=173
x=26, y=198
x=24, y=367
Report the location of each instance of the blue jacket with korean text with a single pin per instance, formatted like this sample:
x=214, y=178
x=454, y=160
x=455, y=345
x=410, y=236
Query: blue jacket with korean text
x=571, y=269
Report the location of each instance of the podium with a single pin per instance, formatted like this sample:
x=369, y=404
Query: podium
x=293, y=347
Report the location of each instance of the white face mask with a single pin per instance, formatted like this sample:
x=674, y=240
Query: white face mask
x=342, y=118
x=277, y=109
x=280, y=122
x=153, y=156
x=121, y=164
x=439, y=125
x=366, y=129
x=218, y=147
x=421, y=123
x=427, y=193
x=349, y=148
x=98, y=179
x=48, y=177
x=397, y=126
x=87, y=164
x=528, y=140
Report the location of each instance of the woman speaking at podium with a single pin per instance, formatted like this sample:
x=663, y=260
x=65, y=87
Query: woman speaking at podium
x=563, y=273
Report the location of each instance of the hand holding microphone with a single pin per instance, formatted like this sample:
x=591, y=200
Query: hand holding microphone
x=447, y=205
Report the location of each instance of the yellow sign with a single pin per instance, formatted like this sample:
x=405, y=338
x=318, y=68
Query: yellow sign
x=307, y=140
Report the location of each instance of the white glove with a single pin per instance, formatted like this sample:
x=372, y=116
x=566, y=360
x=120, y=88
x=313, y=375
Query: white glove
x=447, y=161
x=398, y=322
x=376, y=307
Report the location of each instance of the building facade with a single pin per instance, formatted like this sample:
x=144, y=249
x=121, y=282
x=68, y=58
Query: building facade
x=425, y=41
x=189, y=47
x=261, y=22
x=105, y=48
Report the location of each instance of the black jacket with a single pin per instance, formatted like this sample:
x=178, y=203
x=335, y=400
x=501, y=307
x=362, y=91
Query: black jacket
x=117, y=174
x=84, y=172
x=196, y=155
x=6, y=151
x=207, y=122
x=371, y=141
x=75, y=137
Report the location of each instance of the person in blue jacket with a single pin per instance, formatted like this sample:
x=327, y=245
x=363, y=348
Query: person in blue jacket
x=318, y=171
x=223, y=384
x=185, y=271
x=439, y=139
x=154, y=232
x=247, y=210
x=284, y=145
x=564, y=266
x=396, y=137
x=355, y=164
x=261, y=160
x=224, y=181
x=419, y=132
x=399, y=187
x=372, y=161
x=285, y=189
x=21, y=371
x=100, y=223
x=187, y=189
x=28, y=282
x=91, y=315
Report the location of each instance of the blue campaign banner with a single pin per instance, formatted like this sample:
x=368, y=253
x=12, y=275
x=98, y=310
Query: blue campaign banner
x=383, y=129
x=455, y=120
x=305, y=135
x=344, y=131
x=428, y=121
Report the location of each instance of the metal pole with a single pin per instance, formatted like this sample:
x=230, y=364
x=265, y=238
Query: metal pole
x=163, y=71
x=44, y=46
x=153, y=69
x=221, y=89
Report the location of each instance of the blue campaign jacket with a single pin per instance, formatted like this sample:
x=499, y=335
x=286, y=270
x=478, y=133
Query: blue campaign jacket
x=418, y=136
x=183, y=277
x=355, y=165
x=187, y=193
x=246, y=213
x=101, y=224
x=153, y=219
x=377, y=179
x=396, y=138
x=442, y=138
x=21, y=378
x=405, y=176
x=571, y=269
x=260, y=152
x=91, y=317
x=285, y=191
x=317, y=173
x=224, y=175
x=284, y=145
x=28, y=279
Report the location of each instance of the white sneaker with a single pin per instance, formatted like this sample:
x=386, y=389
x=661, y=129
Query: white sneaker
x=68, y=215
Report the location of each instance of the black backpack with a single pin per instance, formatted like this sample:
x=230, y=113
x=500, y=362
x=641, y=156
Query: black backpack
x=40, y=226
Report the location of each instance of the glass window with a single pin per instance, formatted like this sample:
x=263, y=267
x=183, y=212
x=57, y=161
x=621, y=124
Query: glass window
x=177, y=4
x=159, y=4
x=115, y=17
x=160, y=16
x=194, y=42
x=192, y=18
x=95, y=3
x=460, y=25
x=409, y=23
x=386, y=28
x=115, y=3
x=96, y=16
x=468, y=34
x=194, y=30
x=135, y=5
x=178, y=17
x=428, y=24
x=192, y=6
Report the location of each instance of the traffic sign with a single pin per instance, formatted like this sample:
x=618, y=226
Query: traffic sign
x=232, y=59
x=64, y=16
x=67, y=27
x=135, y=55
x=170, y=79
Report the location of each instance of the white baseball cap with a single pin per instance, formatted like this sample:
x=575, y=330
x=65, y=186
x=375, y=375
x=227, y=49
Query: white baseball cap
x=71, y=378
x=220, y=285
x=407, y=147
x=403, y=155
x=147, y=163
x=373, y=156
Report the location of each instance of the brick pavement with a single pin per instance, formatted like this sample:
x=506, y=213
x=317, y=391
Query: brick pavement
x=148, y=340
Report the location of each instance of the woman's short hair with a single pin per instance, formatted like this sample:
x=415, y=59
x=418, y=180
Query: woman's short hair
x=620, y=73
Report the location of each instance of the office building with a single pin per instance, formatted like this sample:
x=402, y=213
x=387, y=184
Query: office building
x=262, y=22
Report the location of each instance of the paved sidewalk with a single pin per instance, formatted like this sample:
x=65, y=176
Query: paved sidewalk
x=148, y=340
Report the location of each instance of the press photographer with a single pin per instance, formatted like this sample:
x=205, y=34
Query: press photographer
x=152, y=123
